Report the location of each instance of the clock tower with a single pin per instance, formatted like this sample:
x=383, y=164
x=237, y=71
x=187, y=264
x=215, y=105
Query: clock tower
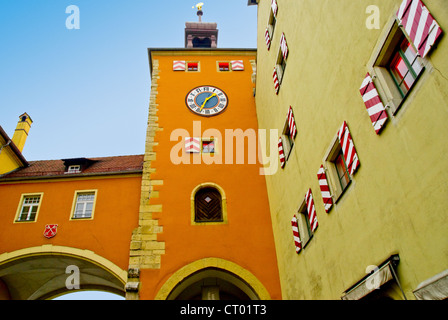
x=204, y=225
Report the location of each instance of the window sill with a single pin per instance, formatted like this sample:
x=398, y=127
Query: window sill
x=338, y=196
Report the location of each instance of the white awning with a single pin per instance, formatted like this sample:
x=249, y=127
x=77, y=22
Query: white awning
x=381, y=275
x=369, y=284
x=434, y=288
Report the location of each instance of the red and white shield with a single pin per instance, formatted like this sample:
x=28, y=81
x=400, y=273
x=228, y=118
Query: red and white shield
x=50, y=230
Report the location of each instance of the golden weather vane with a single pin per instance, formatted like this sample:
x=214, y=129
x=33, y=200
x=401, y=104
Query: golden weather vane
x=200, y=13
x=199, y=6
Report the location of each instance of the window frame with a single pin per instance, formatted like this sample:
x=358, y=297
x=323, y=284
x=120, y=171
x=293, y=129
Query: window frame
x=332, y=174
x=303, y=223
x=229, y=66
x=22, y=204
x=212, y=139
x=187, y=66
x=409, y=66
x=272, y=22
x=287, y=141
x=74, y=169
x=280, y=66
x=378, y=66
x=75, y=203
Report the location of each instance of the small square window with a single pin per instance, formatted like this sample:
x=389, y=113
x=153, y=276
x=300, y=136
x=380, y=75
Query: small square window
x=224, y=66
x=84, y=205
x=208, y=146
x=29, y=208
x=193, y=66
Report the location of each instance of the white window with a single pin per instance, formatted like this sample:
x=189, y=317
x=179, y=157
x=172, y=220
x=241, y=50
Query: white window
x=29, y=207
x=74, y=169
x=84, y=205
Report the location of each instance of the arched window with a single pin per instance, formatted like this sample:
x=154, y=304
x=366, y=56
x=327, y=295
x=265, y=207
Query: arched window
x=208, y=204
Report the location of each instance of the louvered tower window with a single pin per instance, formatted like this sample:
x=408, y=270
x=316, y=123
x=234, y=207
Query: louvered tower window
x=207, y=203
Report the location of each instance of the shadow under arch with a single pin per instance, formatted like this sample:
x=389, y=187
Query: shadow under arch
x=39, y=273
x=227, y=272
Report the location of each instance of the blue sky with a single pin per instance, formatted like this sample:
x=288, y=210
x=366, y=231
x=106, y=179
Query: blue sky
x=87, y=90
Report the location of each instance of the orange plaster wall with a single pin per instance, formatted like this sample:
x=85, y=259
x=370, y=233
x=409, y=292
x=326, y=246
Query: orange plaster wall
x=247, y=239
x=108, y=234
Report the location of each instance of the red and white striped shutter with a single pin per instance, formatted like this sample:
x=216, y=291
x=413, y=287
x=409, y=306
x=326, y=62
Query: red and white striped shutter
x=292, y=123
x=374, y=105
x=178, y=65
x=348, y=148
x=276, y=82
x=237, y=65
x=284, y=46
x=267, y=38
x=324, y=189
x=192, y=145
x=274, y=7
x=312, y=217
x=419, y=24
x=281, y=153
x=296, y=235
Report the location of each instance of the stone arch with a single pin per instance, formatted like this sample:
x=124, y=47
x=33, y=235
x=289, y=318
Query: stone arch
x=38, y=273
x=225, y=270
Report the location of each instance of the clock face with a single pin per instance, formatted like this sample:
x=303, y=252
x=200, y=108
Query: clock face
x=206, y=101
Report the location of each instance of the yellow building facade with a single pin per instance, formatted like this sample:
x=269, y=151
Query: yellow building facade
x=358, y=94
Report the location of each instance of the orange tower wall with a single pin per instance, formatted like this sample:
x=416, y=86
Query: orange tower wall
x=247, y=238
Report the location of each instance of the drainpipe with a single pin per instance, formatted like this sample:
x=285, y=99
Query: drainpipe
x=1, y=148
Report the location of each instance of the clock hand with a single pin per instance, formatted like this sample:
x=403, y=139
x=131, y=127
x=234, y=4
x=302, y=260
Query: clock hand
x=205, y=101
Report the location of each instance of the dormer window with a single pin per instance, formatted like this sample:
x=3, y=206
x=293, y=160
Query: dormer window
x=76, y=165
x=74, y=169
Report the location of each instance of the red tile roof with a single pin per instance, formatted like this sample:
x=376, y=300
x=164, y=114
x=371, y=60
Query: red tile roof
x=105, y=165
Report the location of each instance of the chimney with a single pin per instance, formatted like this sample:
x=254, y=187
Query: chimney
x=21, y=132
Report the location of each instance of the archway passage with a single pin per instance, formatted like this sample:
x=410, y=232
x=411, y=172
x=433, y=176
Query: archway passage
x=44, y=275
x=212, y=284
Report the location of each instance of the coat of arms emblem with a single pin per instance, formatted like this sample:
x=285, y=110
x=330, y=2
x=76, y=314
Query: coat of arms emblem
x=50, y=230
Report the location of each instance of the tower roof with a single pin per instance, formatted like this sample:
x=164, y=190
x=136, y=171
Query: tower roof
x=201, y=34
